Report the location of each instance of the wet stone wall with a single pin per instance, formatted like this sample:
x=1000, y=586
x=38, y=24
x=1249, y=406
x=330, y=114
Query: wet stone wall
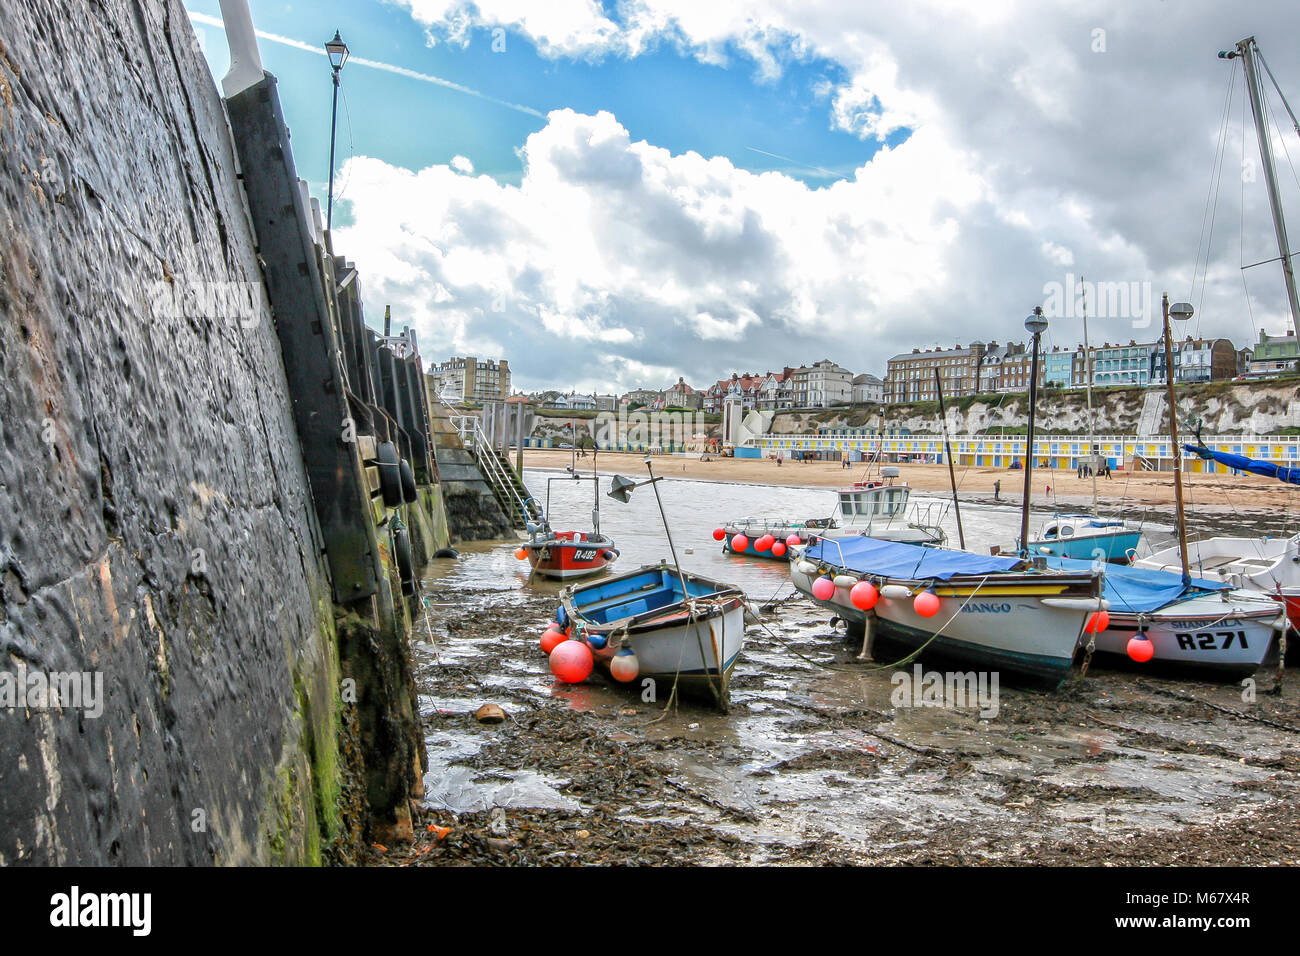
x=158, y=553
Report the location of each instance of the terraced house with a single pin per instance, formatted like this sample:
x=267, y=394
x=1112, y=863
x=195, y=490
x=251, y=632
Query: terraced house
x=910, y=375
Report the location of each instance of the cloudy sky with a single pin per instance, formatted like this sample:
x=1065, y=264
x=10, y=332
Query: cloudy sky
x=615, y=194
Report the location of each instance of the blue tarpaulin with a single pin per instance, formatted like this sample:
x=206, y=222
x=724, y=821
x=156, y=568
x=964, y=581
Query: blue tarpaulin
x=1139, y=590
x=914, y=562
x=1255, y=466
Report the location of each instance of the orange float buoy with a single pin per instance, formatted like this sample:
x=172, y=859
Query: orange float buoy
x=1098, y=621
x=926, y=604
x=551, y=638
x=739, y=543
x=718, y=534
x=823, y=589
x=864, y=595
x=521, y=554
x=1141, y=649
x=571, y=662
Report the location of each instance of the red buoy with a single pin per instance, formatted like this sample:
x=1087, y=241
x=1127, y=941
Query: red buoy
x=521, y=554
x=571, y=661
x=778, y=549
x=739, y=543
x=926, y=604
x=763, y=543
x=1098, y=621
x=864, y=595
x=550, y=639
x=823, y=589
x=718, y=534
x=1141, y=649
x=792, y=540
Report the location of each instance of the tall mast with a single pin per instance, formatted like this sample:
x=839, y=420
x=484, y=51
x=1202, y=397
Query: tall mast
x=1092, y=429
x=1248, y=49
x=947, y=453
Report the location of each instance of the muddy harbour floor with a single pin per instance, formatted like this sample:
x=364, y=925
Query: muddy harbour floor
x=813, y=765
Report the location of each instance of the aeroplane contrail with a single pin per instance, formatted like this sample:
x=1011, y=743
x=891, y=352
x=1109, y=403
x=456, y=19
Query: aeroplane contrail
x=211, y=21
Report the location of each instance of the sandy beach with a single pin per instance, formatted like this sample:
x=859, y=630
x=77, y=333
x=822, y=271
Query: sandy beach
x=1203, y=492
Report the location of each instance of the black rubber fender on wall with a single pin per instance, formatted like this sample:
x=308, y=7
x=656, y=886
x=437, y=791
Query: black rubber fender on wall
x=409, y=493
x=390, y=477
x=405, y=567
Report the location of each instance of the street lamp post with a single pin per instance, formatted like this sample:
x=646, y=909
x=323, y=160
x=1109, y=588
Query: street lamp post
x=1036, y=325
x=338, y=54
x=1181, y=311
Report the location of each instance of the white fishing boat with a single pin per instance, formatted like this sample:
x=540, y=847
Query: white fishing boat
x=1087, y=537
x=877, y=508
x=993, y=612
x=873, y=507
x=1270, y=566
x=679, y=629
x=1212, y=629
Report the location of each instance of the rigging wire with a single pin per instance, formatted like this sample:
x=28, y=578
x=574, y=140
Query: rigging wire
x=1212, y=191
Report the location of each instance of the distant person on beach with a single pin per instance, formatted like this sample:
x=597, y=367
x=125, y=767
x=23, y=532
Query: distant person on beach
x=997, y=490
x=779, y=459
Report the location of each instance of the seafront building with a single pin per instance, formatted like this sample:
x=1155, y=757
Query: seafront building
x=867, y=390
x=1274, y=354
x=911, y=375
x=471, y=379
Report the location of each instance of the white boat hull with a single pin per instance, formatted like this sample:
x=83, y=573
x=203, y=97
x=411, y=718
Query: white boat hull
x=1206, y=633
x=997, y=627
x=690, y=651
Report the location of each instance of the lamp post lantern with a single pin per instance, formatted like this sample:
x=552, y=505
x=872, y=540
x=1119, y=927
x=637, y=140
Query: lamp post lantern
x=338, y=54
x=1036, y=325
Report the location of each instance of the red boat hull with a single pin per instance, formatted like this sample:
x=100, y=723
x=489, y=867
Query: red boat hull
x=570, y=554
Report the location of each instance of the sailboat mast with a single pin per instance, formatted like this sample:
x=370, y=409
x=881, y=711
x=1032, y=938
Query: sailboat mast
x=1247, y=49
x=1092, y=427
x=947, y=453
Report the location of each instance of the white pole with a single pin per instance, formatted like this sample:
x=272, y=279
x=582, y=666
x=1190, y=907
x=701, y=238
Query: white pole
x=245, y=59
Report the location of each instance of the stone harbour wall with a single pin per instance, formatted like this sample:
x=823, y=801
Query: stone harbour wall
x=157, y=533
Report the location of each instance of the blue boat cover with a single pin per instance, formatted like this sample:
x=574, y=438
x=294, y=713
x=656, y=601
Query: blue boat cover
x=1139, y=590
x=1255, y=466
x=890, y=559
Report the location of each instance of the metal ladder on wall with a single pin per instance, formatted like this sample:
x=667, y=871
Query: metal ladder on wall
x=508, y=488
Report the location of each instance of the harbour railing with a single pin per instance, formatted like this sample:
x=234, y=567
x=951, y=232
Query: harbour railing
x=509, y=488
x=1058, y=451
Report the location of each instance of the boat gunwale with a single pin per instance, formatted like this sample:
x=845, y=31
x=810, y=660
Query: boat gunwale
x=734, y=599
